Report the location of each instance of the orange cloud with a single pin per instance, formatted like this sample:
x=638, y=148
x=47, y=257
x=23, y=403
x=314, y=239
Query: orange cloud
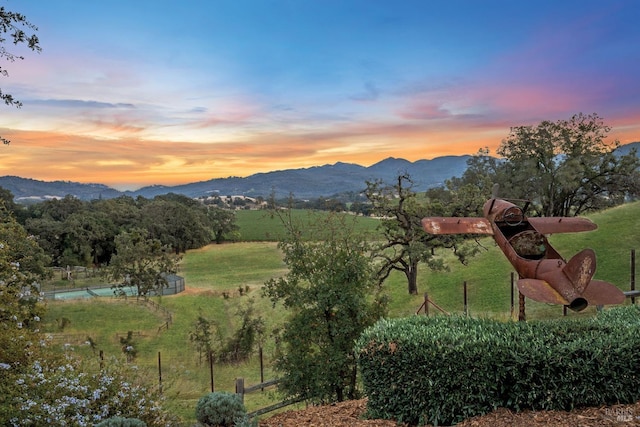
x=131, y=162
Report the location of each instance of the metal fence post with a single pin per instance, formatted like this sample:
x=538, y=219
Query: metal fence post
x=211, y=369
x=633, y=274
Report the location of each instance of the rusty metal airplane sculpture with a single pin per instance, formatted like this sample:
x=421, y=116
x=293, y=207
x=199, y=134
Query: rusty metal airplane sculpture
x=544, y=275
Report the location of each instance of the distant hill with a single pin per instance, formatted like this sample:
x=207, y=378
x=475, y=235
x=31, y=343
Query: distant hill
x=26, y=189
x=626, y=149
x=306, y=183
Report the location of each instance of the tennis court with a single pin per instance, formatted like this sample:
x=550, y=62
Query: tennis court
x=88, y=293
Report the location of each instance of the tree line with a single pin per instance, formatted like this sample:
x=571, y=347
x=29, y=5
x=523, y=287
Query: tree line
x=85, y=233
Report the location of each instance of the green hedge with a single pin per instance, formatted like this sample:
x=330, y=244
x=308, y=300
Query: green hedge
x=442, y=370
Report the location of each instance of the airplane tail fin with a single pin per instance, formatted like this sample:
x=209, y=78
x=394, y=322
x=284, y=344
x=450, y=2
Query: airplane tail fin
x=578, y=271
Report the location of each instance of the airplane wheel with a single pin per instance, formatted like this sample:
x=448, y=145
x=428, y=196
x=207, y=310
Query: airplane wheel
x=513, y=216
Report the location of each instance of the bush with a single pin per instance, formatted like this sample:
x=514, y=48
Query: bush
x=221, y=409
x=443, y=370
x=122, y=422
x=61, y=394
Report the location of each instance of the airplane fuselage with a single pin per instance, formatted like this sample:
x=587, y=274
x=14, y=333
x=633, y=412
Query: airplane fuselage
x=530, y=252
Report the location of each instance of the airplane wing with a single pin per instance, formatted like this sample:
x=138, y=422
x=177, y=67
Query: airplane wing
x=558, y=224
x=453, y=225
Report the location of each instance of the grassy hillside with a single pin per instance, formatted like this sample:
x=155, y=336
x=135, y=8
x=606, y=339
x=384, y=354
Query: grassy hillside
x=215, y=276
x=260, y=226
x=221, y=278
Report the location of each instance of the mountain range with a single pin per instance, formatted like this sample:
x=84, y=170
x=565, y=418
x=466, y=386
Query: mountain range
x=305, y=183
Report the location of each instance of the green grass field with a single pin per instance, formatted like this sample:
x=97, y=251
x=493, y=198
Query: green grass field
x=260, y=225
x=220, y=278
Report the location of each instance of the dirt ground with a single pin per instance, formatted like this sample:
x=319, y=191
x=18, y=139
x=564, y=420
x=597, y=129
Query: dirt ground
x=348, y=414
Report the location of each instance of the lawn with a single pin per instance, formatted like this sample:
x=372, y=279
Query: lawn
x=261, y=225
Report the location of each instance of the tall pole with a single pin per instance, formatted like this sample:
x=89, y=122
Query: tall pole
x=211, y=369
x=633, y=274
x=512, y=294
x=261, y=365
x=160, y=372
x=466, y=307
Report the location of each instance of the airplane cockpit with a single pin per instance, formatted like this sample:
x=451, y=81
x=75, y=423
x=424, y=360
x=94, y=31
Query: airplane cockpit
x=529, y=244
x=525, y=240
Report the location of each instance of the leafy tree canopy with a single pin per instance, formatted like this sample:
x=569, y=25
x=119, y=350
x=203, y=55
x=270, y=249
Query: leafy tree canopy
x=141, y=262
x=331, y=294
x=405, y=245
x=76, y=232
x=19, y=31
x=566, y=167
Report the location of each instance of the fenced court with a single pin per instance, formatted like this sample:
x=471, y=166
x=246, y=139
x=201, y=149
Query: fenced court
x=176, y=285
x=103, y=291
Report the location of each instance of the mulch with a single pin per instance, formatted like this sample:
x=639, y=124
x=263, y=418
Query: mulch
x=349, y=414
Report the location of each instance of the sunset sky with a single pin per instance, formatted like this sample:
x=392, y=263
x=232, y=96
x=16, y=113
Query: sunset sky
x=139, y=92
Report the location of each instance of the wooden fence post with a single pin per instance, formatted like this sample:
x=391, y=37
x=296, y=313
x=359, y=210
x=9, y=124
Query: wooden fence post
x=240, y=388
x=522, y=315
x=426, y=304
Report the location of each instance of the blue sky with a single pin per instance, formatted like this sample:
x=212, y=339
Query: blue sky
x=138, y=92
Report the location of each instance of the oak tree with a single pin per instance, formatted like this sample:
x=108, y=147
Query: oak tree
x=567, y=167
x=141, y=262
x=223, y=224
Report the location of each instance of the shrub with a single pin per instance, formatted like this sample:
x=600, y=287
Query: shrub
x=443, y=370
x=220, y=409
x=54, y=394
x=240, y=345
x=121, y=422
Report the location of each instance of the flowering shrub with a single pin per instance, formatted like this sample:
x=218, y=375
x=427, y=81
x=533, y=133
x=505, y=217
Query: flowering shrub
x=121, y=422
x=22, y=264
x=21, y=268
x=127, y=346
x=65, y=395
x=39, y=386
